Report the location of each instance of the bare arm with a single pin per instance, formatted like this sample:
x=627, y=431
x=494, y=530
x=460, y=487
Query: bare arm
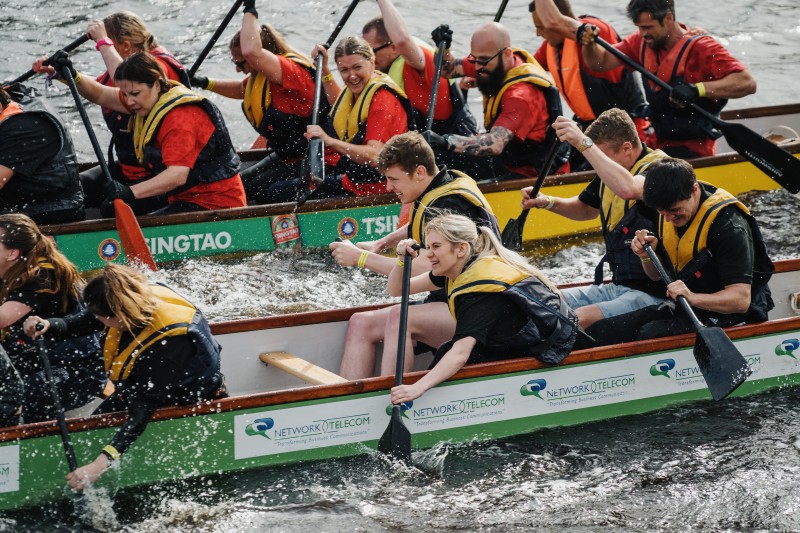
x=452, y=362
x=167, y=180
x=554, y=20
x=400, y=36
x=261, y=60
x=571, y=208
x=734, y=85
x=229, y=88
x=451, y=68
x=100, y=94
x=111, y=58
x=11, y=312
x=5, y=175
x=484, y=144
x=595, y=56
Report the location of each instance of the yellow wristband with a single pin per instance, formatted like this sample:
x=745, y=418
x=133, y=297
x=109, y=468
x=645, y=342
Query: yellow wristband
x=400, y=262
x=76, y=78
x=362, y=259
x=327, y=77
x=211, y=82
x=701, y=89
x=550, y=203
x=646, y=260
x=111, y=452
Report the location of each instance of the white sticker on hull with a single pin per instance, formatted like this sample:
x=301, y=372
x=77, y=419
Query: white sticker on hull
x=9, y=468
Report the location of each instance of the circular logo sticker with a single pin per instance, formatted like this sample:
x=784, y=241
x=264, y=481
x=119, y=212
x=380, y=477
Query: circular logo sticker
x=286, y=231
x=348, y=228
x=108, y=249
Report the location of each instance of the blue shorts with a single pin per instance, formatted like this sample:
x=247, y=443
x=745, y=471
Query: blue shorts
x=612, y=299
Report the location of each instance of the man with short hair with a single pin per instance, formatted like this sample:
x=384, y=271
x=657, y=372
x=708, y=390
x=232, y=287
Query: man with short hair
x=611, y=145
x=700, y=69
x=519, y=101
x=411, y=173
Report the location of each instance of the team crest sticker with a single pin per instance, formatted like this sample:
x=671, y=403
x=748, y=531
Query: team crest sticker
x=108, y=249
x=348, y=228
x=286, y=231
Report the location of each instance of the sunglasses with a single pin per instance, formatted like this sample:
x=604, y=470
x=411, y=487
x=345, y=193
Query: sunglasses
x=381, y=47
x=483, y=62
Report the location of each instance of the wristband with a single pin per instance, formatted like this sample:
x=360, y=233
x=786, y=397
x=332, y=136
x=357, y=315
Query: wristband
x=105, y=41
x=550, y=203
x=111, y=452
x=701, y=89
x=211, y=82
x=400, y=262
x=646, y=260
x=362, y=259
x=76, y=78
x=327, y=77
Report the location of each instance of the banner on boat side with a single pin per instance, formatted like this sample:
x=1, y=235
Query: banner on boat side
x=286, y=232
x=508, y=404
x=9, y=468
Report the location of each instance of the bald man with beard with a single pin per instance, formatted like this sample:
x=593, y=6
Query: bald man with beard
x=519, y=101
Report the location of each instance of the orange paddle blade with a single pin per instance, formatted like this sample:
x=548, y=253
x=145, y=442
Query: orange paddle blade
x=131, y=236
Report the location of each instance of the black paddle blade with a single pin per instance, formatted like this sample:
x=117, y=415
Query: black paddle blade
x=396, y=440
x=772, y=160
x=512, y=235
x=720, y=361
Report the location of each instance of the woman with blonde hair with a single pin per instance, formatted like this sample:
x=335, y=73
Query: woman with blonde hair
x=157, y=349
x=503, y=306
x=37, y=279
x=278, y=99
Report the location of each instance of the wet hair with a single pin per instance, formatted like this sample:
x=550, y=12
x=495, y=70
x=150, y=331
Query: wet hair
x=563, y=7
x=614, y=127
x=141, y=67
x=668, y=181
x=378, y=25
x=353, y=45
x=271, y=40
x=127, y=27
x=482, y=242
x=407, y=150
x=5, y=98
x=122, y=292
x=658, y=9
x=18, y=231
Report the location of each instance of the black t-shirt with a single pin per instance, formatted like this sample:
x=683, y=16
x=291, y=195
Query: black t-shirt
x=27, y=141
x=484, y=316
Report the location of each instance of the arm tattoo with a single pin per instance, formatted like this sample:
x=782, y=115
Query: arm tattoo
x=452, y=69
x=485, y=144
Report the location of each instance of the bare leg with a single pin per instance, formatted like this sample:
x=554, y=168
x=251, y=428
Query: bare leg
x=588, y=315
x=430, y=323
x=364, y=331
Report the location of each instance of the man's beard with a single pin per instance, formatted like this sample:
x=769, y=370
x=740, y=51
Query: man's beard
x=491, y=84
x=658, y=44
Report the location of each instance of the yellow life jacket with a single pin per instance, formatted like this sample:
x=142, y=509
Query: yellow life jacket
x=463, y=186
x=145, y=127
x=528, y=72
x=486, y=274
x=350, y=114
x=172, y=317
x=258, y=92
x=681, y=250
x=397, y=66
x=614, y=207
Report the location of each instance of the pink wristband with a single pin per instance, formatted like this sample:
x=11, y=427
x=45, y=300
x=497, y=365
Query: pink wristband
x=105, y=41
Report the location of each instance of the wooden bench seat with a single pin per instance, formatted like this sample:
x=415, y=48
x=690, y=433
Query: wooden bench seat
x=308, y=372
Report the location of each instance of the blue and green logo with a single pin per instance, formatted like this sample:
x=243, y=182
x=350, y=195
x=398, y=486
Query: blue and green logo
x=788, y=347
x=533, y=388
x=260, y=426
x=662, y=368
x=405, y=406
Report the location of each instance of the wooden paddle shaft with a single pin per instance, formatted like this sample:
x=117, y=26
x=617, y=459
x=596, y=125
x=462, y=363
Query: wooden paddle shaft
x=684, y=303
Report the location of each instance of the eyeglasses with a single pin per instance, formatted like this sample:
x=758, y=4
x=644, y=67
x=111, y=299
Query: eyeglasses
x=239, y=64
x=483, y=62
x=381, y=47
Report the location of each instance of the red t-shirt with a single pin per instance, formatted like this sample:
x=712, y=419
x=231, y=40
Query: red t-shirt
x=183, y=134
x=707, y=61
x=296, y=94
x=523, y=111
x=387, y=118
x=418, y=87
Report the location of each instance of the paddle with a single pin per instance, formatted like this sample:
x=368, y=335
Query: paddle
x=213, y=40
x=314, y=163
x=435, y=89
x=500, y=11
x=69, y=48
x=396, y=440
x=127, y=226
x=512, y=233
x=721, y=363
x=66, y=440
x=771, y=159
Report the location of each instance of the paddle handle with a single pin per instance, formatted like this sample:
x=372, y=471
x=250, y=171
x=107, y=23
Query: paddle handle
x=683, y=302
x=500, y=11
x=69, y=48
x=211, y=42
x=401, y=339
x=435, y=89
x=65, y=73
x=69, y=451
